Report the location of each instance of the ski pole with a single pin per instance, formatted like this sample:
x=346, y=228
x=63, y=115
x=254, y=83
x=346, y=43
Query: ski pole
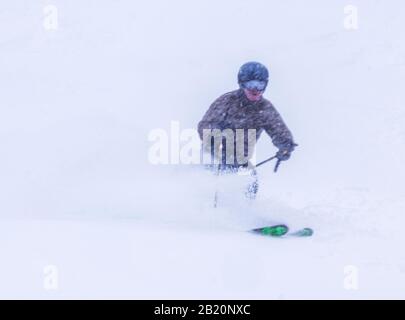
x=216, y=186
x=268, y=160
x=277, y=165
x=265, y=161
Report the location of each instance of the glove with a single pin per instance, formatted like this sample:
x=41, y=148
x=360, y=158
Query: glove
x=285, y=151
x=283, y=155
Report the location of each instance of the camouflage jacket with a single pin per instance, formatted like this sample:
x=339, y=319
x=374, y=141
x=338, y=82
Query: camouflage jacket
x=234, y=111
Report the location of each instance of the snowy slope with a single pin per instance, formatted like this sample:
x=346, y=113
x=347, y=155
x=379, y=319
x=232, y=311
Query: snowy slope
x=77, y=190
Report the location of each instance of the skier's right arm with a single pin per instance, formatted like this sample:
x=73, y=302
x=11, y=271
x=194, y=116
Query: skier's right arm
x=213, y=119
x=211, y=126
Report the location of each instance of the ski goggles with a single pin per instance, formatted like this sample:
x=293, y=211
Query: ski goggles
x=256, y=85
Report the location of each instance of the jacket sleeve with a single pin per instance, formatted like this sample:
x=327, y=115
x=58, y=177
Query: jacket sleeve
x=213, y=118
x=277, y=130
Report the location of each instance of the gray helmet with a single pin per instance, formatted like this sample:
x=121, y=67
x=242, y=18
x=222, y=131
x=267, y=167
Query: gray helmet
x=253, y=75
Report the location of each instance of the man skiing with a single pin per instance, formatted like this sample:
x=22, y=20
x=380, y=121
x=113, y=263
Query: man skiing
x=240, y=117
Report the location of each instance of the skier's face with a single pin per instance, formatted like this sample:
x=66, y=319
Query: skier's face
x=253, y=94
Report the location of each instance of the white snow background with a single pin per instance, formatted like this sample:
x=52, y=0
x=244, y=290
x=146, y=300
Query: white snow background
x=78, y=193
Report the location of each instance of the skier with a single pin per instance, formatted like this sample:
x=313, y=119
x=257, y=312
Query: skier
x=248, y=110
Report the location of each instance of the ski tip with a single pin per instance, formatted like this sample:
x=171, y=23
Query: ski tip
x=306, y=232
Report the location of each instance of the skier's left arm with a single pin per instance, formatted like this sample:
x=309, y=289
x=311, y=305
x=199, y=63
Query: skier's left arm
x=279, y=133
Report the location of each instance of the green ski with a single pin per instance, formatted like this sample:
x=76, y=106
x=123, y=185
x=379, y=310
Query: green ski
x=279, y=231
x=273, y=231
